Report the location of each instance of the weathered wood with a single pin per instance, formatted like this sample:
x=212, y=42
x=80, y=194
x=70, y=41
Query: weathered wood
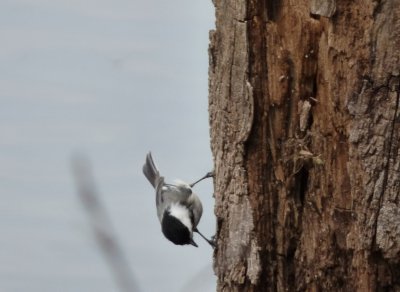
x=305, y=134
x=323, y=7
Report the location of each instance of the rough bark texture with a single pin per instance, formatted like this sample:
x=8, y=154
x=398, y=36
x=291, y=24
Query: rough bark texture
x=305, y=133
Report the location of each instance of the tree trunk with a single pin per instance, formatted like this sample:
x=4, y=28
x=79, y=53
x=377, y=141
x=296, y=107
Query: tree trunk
x=305, y=134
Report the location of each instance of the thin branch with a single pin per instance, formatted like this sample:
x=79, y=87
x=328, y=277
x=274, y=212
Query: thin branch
x=102, y=226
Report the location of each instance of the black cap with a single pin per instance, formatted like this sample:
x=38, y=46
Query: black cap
x=175, y=231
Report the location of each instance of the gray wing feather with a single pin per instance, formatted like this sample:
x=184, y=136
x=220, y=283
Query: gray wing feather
x=197, y=208
x=150, y=171
x=152, y=174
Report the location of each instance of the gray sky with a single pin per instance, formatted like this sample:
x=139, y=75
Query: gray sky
x=114, y=79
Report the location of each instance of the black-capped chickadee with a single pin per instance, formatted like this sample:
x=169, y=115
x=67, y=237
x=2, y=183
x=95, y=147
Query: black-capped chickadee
x=178, y=208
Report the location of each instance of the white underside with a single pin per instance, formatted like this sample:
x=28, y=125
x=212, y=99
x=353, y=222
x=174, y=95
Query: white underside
x=182, y=213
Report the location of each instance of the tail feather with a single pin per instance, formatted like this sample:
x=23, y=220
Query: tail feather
x=150, y=171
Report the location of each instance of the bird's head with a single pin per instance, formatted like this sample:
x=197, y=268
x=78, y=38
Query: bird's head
x=177, y=226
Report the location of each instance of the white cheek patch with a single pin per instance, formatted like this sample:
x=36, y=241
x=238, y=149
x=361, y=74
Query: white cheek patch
x=182, y=213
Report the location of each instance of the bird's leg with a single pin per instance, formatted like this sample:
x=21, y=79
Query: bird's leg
x=209, y=174
x=210, y=242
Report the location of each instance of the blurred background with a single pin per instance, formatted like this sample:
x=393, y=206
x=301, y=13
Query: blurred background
x=111, y=79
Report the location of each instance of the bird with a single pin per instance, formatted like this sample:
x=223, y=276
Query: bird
x=178, y=209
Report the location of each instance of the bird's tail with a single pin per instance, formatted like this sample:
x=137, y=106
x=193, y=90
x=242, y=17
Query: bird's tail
x=150, y=171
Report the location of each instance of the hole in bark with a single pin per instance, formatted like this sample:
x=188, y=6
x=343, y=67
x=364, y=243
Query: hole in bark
x=314, y=88
x=315, y=16
x=310, y=120
x=302, y=183
x=273, y=8
x=291, y=273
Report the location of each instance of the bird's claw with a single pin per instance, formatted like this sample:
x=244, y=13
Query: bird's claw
x=210, y=174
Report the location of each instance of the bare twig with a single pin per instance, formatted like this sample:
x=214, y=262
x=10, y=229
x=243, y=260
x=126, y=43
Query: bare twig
x=102, y=226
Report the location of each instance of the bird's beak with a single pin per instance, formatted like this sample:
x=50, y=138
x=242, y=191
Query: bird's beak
x=193, y=243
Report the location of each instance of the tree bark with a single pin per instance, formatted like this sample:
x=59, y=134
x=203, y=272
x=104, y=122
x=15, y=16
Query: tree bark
x=305, y=134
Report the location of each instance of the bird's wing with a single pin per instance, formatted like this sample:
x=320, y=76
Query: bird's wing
x=151, y=172
x=196, y=208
